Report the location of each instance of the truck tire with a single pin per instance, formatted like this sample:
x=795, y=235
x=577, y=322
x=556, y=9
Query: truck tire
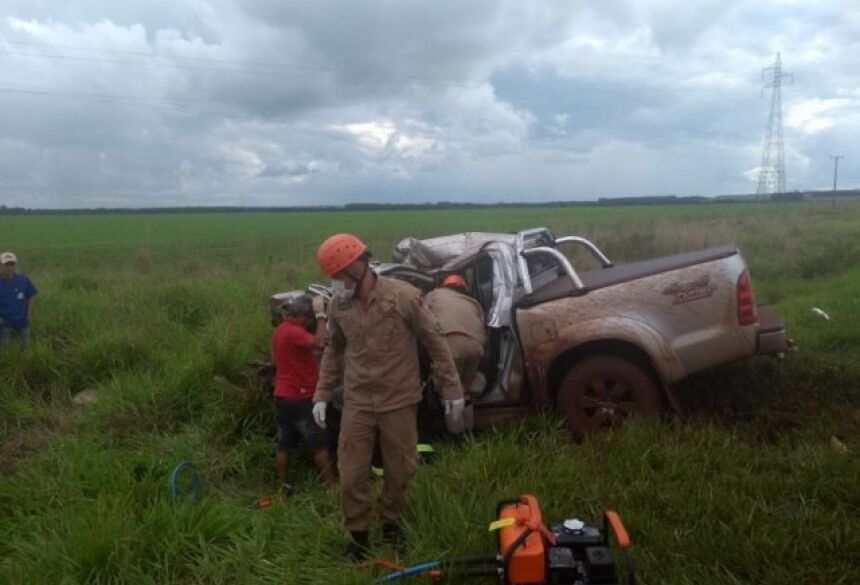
x=602, y=391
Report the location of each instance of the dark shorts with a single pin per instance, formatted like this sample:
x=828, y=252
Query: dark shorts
x=8, y=334
x=296, y=425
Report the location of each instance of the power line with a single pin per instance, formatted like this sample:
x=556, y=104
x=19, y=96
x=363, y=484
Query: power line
x=243, y=71
x=173, y=103
x=362, y=79
x=124, y=96
x=129, y=102
x=91, y=97
x=153, y=102
x=261, y=69
x=280, y=68
x=149, y=54
x=189, y=104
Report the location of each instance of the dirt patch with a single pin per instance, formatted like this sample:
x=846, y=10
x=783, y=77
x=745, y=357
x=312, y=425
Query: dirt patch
x=27, y=440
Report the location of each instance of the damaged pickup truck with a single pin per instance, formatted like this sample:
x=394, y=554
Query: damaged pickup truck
x=597, y=345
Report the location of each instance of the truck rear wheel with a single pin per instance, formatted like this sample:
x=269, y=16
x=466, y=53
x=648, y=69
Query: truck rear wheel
x=602, y=391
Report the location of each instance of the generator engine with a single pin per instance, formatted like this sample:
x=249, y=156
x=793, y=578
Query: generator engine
x=570, y=552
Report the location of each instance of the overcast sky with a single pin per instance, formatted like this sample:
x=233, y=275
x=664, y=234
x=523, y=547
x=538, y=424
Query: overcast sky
x=296, y=102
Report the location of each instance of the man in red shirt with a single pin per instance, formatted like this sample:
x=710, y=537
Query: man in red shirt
x=295, y=381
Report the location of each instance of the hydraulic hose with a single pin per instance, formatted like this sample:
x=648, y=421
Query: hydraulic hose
x=182, y=469
x=413, y=570
x=458, y=565
x=465, y=566
x=479, y=572
x=472, y=559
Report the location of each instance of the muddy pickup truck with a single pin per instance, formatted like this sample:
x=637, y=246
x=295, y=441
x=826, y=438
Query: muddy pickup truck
x=598, y=345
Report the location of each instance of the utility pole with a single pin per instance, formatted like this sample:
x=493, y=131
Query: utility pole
x=835, y=158
x=771, y=178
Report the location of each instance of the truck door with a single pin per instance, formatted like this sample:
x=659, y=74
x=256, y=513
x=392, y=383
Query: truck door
x=502, y=361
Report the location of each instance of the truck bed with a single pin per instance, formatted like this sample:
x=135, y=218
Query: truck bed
x=595, y=279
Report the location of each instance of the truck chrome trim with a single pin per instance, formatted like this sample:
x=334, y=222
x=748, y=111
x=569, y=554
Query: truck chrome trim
x=562, y=260
x=588, y=245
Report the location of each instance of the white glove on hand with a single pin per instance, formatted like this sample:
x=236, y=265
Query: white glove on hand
x=319, y=413
x=454, y=411
x=318, y=305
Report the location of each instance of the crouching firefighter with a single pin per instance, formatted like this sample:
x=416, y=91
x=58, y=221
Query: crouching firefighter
x=461, y=319
x=374, y=324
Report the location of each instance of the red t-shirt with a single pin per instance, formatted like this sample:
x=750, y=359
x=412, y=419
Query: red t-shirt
x=296, y=365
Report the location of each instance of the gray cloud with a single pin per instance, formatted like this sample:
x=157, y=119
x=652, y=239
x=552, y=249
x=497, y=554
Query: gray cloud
x=294, y=102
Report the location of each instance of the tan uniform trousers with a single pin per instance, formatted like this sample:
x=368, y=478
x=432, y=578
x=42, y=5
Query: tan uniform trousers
x=467, y=353
x=398, y=437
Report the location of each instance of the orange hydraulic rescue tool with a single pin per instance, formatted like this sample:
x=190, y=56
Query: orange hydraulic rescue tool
x=521, y=540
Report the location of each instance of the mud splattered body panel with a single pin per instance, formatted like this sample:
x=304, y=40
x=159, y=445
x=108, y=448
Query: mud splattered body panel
x=685, y=320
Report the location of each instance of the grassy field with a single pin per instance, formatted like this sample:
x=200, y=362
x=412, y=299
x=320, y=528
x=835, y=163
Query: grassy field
x=160, y=316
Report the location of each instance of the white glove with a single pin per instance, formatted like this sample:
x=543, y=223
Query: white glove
x=454, y=411
x=319, y=413
x=318, y=305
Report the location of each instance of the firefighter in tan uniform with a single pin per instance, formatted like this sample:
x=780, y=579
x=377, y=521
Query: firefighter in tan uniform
x=374, y=326
x=461, y=319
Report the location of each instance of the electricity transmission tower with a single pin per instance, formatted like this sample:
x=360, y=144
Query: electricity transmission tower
x=771, y=178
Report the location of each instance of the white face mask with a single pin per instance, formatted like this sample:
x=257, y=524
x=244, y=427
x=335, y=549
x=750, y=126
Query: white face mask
x=337, y=287
x=347, y=288
x=340, y=289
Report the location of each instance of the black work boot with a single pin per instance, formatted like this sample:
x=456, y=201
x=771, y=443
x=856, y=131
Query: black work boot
x=392, y=534
x=356, y=550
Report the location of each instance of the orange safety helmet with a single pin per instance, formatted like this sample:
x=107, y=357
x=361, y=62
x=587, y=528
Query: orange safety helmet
x=338, y=252
x=455, y=280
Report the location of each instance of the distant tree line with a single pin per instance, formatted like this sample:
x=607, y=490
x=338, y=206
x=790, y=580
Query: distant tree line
x=654, y=200
x=793, y=196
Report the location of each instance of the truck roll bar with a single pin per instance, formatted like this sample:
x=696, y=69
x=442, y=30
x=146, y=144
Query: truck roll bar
x=562, y=261
x=588, y=245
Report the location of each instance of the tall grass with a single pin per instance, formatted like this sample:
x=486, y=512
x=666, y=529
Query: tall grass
x=160, y=316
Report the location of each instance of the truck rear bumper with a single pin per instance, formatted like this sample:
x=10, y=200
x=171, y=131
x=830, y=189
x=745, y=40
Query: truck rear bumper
x=770, y=336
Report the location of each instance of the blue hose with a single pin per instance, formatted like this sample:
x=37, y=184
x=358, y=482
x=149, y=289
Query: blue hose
x=176, y=476
x=413, y=570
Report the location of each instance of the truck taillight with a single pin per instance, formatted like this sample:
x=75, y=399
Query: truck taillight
x=747, y=313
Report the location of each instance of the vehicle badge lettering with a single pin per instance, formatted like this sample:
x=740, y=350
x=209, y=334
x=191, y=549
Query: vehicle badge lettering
x=692, y=290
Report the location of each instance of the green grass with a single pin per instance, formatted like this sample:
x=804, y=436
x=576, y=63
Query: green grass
x=160, y=315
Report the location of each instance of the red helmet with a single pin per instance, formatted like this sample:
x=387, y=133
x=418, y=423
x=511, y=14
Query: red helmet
x=455, y=280
x=338, y=252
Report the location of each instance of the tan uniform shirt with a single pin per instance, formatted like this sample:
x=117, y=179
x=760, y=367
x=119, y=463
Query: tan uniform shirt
x=374, y=350
x=456, y=313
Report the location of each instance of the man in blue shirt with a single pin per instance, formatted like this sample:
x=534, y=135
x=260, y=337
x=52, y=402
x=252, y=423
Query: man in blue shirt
x=16, y=301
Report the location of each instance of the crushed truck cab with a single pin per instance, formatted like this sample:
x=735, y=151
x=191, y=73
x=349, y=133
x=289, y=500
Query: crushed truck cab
x=598, y=345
